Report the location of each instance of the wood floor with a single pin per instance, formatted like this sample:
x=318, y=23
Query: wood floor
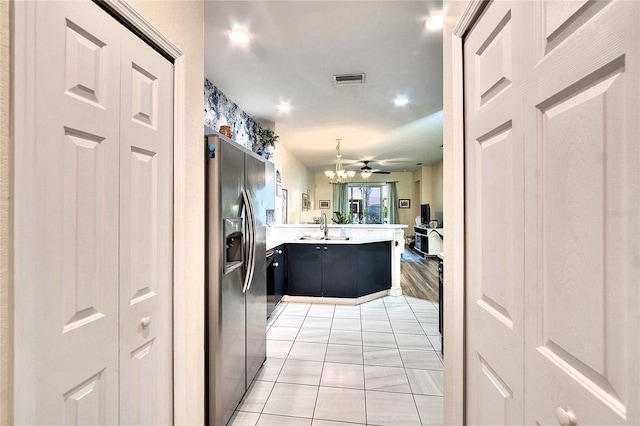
x=419, y=276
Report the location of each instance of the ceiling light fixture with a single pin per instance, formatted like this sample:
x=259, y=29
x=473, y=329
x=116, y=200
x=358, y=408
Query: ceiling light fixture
x=284, y=107
x=340, y=175
x=366, y=173
x=366, y=170
x=434, y=22
x=400, y=101
x=239, y=36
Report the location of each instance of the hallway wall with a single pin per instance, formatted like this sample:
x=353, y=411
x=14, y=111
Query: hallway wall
x=454, y=376
x=5, y=121
x=296, y=179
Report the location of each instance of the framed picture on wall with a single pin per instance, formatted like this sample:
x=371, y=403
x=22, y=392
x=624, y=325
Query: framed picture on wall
x=324, y=204
x=404, y=203
x=278, y=184
x=305, y=201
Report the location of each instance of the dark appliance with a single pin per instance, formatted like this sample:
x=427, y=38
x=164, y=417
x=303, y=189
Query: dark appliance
x=275, y=278
x=425, y=214
x=422, y=240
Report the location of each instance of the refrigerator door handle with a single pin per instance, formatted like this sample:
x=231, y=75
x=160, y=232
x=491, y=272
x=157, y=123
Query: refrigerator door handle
x=252, y=248
x=250, y=240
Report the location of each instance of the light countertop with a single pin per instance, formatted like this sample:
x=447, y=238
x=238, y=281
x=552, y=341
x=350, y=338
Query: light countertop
x=358, y=234
x=271, y=243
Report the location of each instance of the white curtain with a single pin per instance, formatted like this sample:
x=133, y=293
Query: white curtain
x=341, y=198
x=393, y=202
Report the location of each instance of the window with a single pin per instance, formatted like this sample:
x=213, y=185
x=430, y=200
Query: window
x=368, y=203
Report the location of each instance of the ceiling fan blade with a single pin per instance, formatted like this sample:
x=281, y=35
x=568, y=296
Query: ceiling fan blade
x=381, y=172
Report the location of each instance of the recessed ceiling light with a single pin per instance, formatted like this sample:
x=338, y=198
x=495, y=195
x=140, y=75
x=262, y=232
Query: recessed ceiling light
x=239, y=36
x=435, y=21
x=400, y=101
x=284, y=107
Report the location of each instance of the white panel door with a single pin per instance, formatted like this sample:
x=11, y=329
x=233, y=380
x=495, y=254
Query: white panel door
x=494, y=180
x=71, y=323
x=582, y=138
x=66, y=241
x=552, y=224
x=146, y=234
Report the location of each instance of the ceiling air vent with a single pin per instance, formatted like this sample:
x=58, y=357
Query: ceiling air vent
x=348, y=79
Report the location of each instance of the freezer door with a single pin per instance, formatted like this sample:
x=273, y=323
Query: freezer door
x=225, y=299
x=256, y=295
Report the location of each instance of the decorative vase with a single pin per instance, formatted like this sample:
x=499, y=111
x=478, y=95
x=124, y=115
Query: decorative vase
x=263, y=152
x=226, y=130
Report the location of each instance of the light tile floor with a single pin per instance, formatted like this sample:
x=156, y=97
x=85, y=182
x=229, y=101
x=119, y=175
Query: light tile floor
x=329, y=365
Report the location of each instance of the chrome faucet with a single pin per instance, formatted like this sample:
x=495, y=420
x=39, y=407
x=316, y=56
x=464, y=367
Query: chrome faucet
x=323, y=225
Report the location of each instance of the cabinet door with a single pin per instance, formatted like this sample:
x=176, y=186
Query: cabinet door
x=305, y=270
x=374, y=267
x=339, y=270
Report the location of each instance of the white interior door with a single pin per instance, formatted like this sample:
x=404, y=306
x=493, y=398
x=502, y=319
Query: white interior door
x=582, y=138
x=146, y=234
x=495, y=61
x=552, y=225
x=70, y=319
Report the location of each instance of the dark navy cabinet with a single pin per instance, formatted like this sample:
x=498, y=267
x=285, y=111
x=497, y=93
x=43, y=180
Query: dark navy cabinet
x=338, y=270
x=374, y=267
x=304, y=269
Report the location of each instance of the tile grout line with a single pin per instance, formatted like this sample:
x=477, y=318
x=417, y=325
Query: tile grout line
x=364, y=376
x=315, y=403
x=362, y=345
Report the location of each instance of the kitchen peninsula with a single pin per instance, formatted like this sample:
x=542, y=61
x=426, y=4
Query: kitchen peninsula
x=368, y=255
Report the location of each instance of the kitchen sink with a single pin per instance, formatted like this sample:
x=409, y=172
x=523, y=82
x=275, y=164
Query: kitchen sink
x=320, y=238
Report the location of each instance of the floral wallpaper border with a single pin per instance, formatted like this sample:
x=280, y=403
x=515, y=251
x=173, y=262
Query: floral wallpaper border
x=221, y=111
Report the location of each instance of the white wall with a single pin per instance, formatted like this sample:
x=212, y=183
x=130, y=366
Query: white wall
x=426, y=180
x=296, y=179
x=5, y=324
x=324, y=191
x=431, y=187
x=437, y=189
x=453, y=371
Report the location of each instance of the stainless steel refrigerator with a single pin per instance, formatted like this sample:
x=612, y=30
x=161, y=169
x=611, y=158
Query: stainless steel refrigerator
x=236, y=274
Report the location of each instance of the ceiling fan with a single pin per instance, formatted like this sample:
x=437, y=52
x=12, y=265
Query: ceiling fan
x=366, y=170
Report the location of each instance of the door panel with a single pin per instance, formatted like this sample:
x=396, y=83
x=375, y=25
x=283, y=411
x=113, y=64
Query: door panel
x=494, y=180
x=304, y=263
x=66, y=221
x=146, y=233
x=339, y=270
x=228, y=354
x=256, y=295
x=582, y=342
x=67, y=245
x=84, y=404
x=495, y=398
x=551, y=159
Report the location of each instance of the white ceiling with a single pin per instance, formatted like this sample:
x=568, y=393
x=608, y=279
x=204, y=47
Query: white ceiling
x=297, y=47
